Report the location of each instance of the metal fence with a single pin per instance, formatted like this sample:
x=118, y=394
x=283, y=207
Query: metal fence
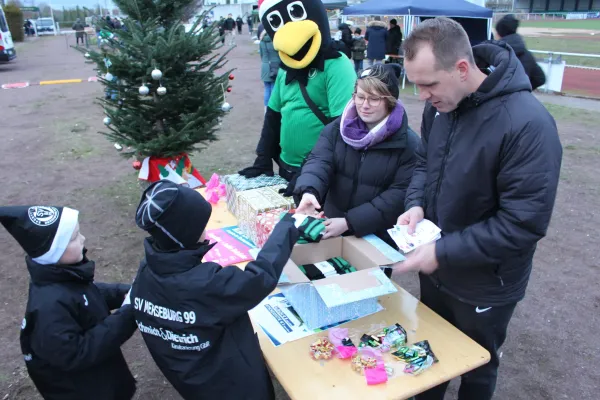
x=576, y=79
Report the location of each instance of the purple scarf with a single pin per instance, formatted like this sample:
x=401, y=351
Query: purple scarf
x=356, y=133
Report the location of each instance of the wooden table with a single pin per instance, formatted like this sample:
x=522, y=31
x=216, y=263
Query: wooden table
x=304, y=378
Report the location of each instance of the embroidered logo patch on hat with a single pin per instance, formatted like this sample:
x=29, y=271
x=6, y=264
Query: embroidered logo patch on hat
x=43, y=216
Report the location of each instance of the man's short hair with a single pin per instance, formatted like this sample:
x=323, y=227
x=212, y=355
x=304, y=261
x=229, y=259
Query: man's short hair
x=447, y=38
x=393, y=21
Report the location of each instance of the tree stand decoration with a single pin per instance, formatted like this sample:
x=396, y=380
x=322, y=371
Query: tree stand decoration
x=164, y=97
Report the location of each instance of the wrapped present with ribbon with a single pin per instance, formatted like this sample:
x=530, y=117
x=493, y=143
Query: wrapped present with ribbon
x=252, y=203
x=236, y=184
x=265, y=223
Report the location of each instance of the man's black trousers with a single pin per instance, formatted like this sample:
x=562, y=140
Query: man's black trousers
x=485, y=325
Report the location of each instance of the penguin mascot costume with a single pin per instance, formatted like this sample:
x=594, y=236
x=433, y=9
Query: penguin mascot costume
x=314, y=84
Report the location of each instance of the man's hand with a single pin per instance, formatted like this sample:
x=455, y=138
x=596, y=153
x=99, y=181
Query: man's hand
x=411, y=218
x=308, y=205
x=422, y=259
x=335, y=227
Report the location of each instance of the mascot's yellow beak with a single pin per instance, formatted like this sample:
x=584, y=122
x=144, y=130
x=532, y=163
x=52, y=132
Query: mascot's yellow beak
x=292, y=37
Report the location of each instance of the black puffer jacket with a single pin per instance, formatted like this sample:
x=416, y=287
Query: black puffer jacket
x=346, y=39
x=532, y=69
x=368, y=187
x=394, y=40
x=487, y=176
x=194, y=319
x=70, y=340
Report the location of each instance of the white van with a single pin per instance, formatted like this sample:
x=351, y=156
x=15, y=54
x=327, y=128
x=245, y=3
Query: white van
x=45, y=26
x=7, y=48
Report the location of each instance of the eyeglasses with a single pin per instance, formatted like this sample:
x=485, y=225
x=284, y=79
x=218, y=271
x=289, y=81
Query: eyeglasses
x=359, y=100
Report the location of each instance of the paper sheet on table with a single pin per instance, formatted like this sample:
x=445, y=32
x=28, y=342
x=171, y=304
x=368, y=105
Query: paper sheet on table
x=280, y=323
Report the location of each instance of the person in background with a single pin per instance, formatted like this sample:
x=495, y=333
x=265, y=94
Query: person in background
x=28, y=28
x=506, y=29
x=250, y=23
x=270, y=65
x=79, y=31
x=222, y=29
x=109, y=22
x=117, y=23
x=361, y=166
x=359, y=45
x=259, y=30
x=228, y=27
x=346, y=39
x=239, y=22
x=394, y=39
x=376, y=37
x=487, y=174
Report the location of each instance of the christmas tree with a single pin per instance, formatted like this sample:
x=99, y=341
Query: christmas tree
x=163, y=95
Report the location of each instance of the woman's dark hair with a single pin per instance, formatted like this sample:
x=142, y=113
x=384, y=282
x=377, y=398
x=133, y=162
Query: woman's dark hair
x=358, y=31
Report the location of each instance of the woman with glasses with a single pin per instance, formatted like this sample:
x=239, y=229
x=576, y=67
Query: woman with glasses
x=360, y=168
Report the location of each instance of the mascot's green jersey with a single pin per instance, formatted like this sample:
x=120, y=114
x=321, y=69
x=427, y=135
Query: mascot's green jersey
x=300, y=127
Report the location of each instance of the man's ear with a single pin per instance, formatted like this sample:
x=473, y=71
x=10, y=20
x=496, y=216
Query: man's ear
x=463, y=67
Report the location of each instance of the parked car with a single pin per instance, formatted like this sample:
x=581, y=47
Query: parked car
x=7, y=48
x=45, y=26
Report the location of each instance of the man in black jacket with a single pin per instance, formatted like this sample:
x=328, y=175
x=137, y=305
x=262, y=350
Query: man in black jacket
x=487, y=175
x=394, y=39
x=70, y=341
x=193, y=315
x=506, y=29
x=228, y=28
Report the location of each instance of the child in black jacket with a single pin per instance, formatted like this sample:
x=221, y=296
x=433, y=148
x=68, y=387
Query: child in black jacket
x=193, y=315
x=70, y=341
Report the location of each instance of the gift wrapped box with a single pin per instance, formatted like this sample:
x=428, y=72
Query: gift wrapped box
x=265, y=223
x=252, y=203
x=236, y=184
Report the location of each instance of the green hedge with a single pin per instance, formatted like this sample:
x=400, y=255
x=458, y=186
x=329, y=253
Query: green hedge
x=14, y=17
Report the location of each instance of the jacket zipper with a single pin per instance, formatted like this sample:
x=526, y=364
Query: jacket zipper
x=355, y=182
x=443, y=166
x=497, y=273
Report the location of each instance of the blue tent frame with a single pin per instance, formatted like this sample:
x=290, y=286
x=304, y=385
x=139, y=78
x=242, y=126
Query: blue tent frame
x=414, y=10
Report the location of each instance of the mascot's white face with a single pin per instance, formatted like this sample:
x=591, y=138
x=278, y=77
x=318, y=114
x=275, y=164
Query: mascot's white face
x=299, y=29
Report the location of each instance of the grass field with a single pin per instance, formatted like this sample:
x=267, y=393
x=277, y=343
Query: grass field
x=563, y=24
x=567, y=45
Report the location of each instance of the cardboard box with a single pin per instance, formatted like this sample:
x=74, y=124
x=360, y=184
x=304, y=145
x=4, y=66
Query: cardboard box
x=236, y=184
x=252, y=203
x=337, y=298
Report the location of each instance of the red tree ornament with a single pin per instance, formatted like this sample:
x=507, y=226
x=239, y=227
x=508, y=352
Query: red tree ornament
x=231, y=77
x=137, y=165
x=229, y=89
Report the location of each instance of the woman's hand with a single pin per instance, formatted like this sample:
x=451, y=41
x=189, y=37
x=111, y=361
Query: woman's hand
x=334, y=227
x=308, y=205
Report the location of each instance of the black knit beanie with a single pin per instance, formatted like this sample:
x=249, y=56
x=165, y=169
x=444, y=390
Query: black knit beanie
x=389, y=74
x=507, y=25
x=174, y=215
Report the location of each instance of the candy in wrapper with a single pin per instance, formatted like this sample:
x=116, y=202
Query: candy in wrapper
x=360, y=363
x=395, y=336
x=322, y=349
x=417, y=357
x=425, y=345
x=343, y=345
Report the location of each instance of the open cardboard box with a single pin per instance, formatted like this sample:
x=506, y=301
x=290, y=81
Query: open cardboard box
x=341, y=297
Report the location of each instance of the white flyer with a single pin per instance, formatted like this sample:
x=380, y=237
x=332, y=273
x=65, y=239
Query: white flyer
x=279, y=321
x=425, y=232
